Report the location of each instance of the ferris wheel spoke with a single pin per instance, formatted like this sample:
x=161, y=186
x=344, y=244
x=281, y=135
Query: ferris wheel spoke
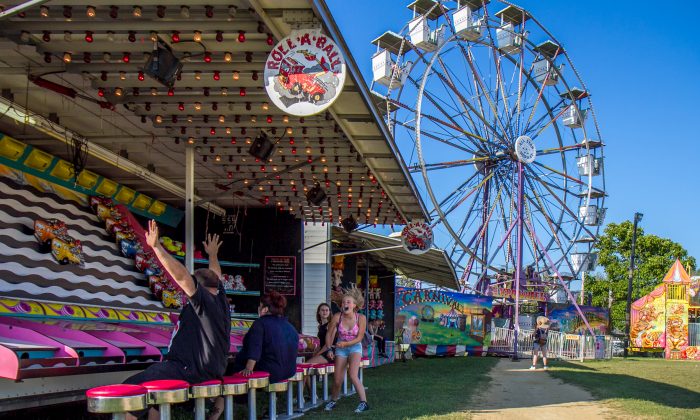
x=463, y=199
x=465, y=110
x=487, y=96
x=537, y=124
x=438, y=138
x=448, y=165
x=459, y=189
x=442, y=124
x=566, y=208
x=569, y=177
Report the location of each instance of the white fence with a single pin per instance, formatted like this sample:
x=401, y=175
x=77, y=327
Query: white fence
x=559, y=345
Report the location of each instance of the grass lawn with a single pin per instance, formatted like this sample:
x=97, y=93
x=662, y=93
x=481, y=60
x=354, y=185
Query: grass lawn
x=422, y=388
x=641, y=387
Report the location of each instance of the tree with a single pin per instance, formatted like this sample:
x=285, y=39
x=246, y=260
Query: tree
x=653, y=258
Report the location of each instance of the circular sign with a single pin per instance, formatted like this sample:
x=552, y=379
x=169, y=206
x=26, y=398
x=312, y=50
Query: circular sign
x=417, y=237
x=304, y=73
x=525, y=149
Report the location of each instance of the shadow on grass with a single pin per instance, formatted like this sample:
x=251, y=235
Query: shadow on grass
x=421, y=387
x=615, y=385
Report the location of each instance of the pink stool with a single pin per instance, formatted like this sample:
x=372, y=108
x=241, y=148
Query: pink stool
x=256, y=380
x=298, y=378
x=273, y=389
x=232, y=385
x=304, y=367
x=363, y=365
x=201, y=391
x=315, y=371
x=166, y=392
x=116, y=400
x=330, y=368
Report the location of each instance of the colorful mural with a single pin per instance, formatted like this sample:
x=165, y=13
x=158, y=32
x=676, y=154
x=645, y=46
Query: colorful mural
x=694, y=292
x=566, y=318
x=443, y=318
x=648, y=323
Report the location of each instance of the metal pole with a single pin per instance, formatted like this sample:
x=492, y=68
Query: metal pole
x=189, y=209
x=519, y=262
x=583, y=285
x=637, y=218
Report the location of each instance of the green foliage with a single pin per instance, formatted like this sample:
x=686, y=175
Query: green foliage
x=653, y=258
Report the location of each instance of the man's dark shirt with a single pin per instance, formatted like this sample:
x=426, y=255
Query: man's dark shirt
x=202, y=336
x=272, y=342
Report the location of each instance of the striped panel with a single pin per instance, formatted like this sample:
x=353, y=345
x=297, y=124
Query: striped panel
x=28, y=272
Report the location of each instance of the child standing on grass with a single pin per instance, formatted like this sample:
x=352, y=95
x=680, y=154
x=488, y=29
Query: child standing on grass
x=539, y=344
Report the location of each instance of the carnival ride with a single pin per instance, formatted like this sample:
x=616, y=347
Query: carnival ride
x=500, y=133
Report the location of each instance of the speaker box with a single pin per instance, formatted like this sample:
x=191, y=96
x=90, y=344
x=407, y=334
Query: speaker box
x=262, y=147
x=349, y=224
x=162, y=65
x=316, y=195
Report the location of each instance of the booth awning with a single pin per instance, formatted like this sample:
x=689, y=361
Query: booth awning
x=433, y=267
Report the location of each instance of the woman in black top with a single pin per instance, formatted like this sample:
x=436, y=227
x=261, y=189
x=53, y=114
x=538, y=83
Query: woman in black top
x=323, y=315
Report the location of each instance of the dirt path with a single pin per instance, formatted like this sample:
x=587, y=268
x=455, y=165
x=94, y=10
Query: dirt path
x=518, y=393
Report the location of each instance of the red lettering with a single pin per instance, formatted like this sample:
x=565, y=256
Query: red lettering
x=335, y=63
x=305, y=39
x=273, y=65
x=291, y=44
x=282, y=50
x=276, y=55
x=328, y=49
x=320, y=42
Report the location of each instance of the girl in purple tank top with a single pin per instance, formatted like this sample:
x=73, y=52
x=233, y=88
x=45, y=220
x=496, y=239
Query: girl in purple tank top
x=350, y=327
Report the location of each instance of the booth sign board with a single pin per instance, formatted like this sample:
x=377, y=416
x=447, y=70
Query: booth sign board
x=305, y=73
x=510, y=294
x=281, y=275
x=417, y=237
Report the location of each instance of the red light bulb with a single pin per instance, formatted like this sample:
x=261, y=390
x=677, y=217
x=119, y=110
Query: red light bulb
x=175, y=36
x=88, y=36
x=217, y=75
x=270, y=41
x=113, y=12
x=132, y=36
x=269, y=119
x=233, y=140
x=207, y=57
x=47, y=36
x=103, y=76
x=87, y=57
x=141, y=76
x=209, y=11
x=291, y=140
x=171, y=92
x=212, y=131
x=219, y=36
x=100, y=92
x=241, y=91
x=241, y=36
x=126, y=57
x=181, y=106
x=255, y=75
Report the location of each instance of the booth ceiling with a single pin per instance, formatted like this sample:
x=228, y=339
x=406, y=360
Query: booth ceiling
x=99, y=48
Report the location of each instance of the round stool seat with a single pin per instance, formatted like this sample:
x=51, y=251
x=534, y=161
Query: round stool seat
x=167, y=391
x=305, y=366
x=298, y=375
x=257, y=379
x=319, y=369
x=116, y=398
x=280, y=386
x=330, y=367
x=365, y=361
x=233, y=385
x=206, y=389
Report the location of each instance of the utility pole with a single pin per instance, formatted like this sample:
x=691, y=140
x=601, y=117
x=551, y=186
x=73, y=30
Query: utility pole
x=628, y=313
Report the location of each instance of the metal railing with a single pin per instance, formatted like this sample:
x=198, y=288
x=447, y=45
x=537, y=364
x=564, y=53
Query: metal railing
x=559, y=345
x=694, y=334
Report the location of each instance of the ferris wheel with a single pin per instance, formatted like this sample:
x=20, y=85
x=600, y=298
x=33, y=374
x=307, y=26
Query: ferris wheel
x=500, y=134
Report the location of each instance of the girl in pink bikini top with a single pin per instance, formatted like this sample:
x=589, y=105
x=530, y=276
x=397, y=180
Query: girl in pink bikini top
x=348, y=335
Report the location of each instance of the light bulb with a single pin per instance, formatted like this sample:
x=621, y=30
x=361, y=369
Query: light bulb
x=236, y=75
x=197, y=36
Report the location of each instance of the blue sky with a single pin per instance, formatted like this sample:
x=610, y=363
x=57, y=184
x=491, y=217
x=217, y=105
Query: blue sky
x=640, y=64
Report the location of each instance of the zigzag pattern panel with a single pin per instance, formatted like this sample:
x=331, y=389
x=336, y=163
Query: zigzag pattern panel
x=28, y=271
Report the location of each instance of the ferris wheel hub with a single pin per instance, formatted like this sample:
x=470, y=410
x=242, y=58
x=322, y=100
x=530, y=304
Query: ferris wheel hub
x=525, y=150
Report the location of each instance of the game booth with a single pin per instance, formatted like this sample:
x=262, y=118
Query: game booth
x=229, y=132
x=667, y=320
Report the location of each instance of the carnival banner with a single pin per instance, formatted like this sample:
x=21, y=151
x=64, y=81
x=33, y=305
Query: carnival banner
x=524, y=294
x=648, y=320
x=443, y=318
x=565, y=318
